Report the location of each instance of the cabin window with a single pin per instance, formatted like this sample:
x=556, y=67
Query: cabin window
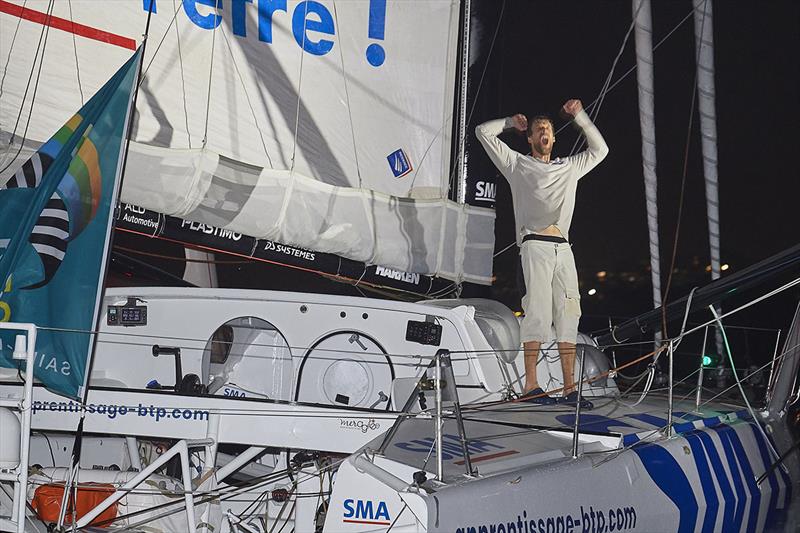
x=247, y=357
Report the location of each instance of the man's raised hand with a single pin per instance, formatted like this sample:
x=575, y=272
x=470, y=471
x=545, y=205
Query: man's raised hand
x=572, y=107
x=520, y=122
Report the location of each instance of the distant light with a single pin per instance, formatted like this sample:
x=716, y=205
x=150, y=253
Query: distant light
x=706, y=360
x=602, y=274
x=592, y=292
x=726, y=266
x=708, y=268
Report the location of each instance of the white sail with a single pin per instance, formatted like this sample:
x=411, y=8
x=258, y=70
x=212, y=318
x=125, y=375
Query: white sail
x=706, y=95
x=644, y=77
x=326, y=125
x=706, y=106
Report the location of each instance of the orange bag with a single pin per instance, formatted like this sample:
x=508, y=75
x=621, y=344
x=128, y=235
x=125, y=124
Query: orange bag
x=47, y=501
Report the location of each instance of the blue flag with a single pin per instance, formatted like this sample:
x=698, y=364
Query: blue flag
x=55, y=225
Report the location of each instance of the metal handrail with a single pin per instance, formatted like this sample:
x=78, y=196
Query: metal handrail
x=21, y=483
x=575, y=429
x=442, y=364
x=180, y=448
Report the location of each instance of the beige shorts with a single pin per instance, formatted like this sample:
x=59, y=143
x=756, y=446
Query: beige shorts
x=552, y=297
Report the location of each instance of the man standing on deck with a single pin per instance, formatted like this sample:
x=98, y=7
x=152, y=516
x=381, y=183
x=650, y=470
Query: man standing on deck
x=543, y=192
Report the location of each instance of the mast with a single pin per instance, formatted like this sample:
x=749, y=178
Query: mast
x=647, y=125
x=461, y=161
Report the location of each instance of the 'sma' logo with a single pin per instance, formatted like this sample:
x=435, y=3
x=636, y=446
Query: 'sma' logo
x=366, y=512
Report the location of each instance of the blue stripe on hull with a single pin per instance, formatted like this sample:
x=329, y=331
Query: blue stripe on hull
x=749, y=477
x=738, y=485
x=670, y=478
x=707, y=481
x=722, y=480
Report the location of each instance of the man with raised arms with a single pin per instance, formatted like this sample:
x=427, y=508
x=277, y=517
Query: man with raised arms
x=543, y=192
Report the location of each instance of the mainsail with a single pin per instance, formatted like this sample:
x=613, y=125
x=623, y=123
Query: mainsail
x=324, y=125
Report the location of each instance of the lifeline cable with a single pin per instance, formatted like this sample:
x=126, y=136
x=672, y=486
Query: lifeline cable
x=41, y=45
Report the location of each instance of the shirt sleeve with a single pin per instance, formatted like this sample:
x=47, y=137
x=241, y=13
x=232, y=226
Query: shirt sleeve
x=597, y=150
x=503, y=157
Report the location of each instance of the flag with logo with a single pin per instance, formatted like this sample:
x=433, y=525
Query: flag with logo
x=56, y=214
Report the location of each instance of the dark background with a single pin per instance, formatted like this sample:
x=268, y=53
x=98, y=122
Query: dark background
x=547, y=52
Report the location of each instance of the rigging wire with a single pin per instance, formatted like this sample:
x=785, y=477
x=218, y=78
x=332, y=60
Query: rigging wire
x=299, y=86
x=420, y=359
x=598, y=102
x=347, y=97
x=41, y=45
x=218, y=19
x=615, y=453
x=75, y=50
x=256, y=122
x=183, y=78
x=737, y=380
x=682, y=193
x=161, y=42
x=11, y=50
x=628, y=73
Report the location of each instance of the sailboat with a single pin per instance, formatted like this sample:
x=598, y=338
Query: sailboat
x=235, y=409
x=319, y=375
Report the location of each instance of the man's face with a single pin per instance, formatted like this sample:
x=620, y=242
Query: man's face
x=542, y=137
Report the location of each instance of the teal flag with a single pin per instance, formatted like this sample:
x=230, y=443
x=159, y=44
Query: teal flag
x=55, y=223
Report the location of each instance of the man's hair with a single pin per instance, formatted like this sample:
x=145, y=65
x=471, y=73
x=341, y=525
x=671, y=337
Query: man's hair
x=538, y=118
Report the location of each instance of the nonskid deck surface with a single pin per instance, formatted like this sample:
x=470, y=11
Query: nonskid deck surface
x=508, y=435
x=611, y=416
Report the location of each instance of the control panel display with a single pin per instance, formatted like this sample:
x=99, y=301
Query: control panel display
x=424, y=332
x=130, y=314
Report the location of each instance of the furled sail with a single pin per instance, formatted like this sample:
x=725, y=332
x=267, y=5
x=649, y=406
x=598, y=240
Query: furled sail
x=706, y=106
x=320, y=124
x=644, y=77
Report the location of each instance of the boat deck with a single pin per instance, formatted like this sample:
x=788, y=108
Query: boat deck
x=502, y=436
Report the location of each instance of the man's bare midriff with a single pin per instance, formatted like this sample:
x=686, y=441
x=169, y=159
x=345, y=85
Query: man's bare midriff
x=551, y=230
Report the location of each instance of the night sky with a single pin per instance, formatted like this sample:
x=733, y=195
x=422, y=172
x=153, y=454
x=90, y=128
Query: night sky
x=547, y=52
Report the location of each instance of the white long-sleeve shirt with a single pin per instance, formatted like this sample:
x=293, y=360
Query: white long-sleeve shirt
x=543, y=193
